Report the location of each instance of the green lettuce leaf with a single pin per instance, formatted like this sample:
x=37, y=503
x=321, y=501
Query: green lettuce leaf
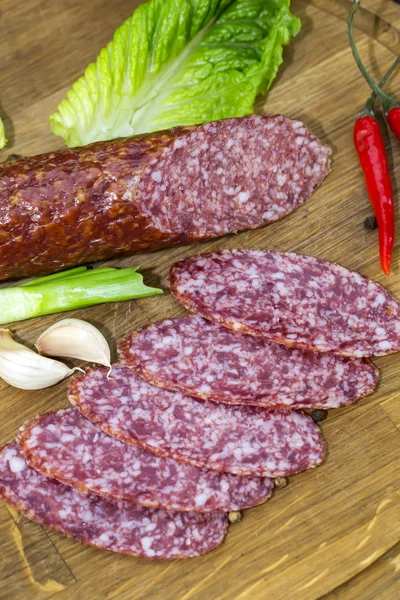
x=178, y=62
x=3, y=140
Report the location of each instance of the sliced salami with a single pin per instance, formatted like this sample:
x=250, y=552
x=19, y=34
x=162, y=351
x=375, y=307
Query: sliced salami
x=116, y=526
x=290, y=299
x=232, y=175
x=210, y=362
x=70, y=448
x=171, y=187
x=233, y=439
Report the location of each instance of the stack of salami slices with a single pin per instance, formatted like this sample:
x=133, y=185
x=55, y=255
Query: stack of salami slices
x=204, y=412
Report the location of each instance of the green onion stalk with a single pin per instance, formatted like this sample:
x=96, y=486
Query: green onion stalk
x=70, y=290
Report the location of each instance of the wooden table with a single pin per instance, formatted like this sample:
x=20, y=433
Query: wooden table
x=333, y=532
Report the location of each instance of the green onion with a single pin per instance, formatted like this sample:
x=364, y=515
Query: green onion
x=77, y=272
x=73, y=276
x=62, y=275
x=76, y=288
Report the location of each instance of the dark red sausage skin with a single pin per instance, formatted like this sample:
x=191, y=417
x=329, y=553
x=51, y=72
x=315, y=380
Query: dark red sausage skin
x=138, y=194
x=67, y=208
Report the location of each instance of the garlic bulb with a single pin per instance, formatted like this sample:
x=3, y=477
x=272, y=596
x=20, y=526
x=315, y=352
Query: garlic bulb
x=25, y=369
x=74, y=338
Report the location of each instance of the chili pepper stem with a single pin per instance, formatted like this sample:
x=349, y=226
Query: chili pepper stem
x=387, y=101
x=368, y=109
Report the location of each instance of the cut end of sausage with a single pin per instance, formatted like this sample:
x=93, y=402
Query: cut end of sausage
x=232, y=175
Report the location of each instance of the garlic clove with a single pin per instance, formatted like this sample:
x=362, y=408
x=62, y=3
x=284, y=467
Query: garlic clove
x=25, y=369
x=74, y=338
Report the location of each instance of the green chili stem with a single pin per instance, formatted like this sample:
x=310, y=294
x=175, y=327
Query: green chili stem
x=387, y=101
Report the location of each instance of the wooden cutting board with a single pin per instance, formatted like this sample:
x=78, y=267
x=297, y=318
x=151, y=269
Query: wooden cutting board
x=334, y=532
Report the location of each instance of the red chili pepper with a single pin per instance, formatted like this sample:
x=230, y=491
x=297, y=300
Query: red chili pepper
x=391, y=107
x=372, y=154
x=371, y=151
x=393, y=118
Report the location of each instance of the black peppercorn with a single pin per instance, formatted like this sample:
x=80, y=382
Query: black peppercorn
x=371, y=223
x=318, y=415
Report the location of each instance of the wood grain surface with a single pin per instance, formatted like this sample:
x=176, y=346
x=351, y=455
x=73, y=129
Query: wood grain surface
x=334, y=532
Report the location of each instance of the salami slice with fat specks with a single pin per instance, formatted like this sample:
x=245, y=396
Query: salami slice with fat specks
x=70, y=448
x=290, y=299
x=234, y=439
x=208, y=361
x=117, y=526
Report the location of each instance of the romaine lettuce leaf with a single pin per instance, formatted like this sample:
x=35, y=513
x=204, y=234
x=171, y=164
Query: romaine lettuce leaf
x=3, y=140
x=178, y=62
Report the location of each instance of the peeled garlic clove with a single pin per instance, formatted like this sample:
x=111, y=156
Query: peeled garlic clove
x=25, y=369
x=74, y=338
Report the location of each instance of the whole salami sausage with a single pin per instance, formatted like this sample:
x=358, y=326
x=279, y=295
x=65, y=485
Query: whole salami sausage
x=290, y=299
x=116, y=526
x=122, y=196
x=242, y=440
x=67, y=447
x=208, y=361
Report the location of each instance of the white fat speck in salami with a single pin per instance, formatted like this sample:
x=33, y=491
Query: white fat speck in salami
x=232, y=175
x=210, y=362
x=116, y=526
x=235, y=439
x=66, y=446
x=290, y=299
